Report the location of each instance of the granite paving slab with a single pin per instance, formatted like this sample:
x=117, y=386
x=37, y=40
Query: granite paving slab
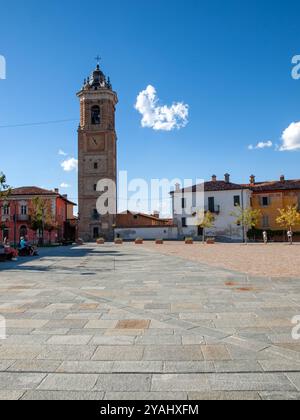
x=109, y=322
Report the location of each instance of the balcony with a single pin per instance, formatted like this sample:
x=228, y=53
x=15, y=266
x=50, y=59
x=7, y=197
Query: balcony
x=22, y=217
x=5, y=218
x=19, y=218
x=213, y=209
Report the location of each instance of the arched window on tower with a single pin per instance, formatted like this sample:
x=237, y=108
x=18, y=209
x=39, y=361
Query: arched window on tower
x=95, y=115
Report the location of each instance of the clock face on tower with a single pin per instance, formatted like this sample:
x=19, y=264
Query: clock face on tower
x=96, y=143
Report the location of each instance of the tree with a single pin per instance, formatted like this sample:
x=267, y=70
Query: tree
x=247, y=218
x=4, y=188
x=41, y=217
x=289, y=218
x=206, y=222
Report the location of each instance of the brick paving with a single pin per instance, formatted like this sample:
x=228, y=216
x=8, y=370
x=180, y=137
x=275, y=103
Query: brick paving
x=255, y=259
x=111, y=322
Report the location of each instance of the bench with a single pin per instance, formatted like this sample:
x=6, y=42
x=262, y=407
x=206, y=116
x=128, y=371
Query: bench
x=5, y=256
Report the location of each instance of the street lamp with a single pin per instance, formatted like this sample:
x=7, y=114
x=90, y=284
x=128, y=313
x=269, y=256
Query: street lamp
x=15, y=225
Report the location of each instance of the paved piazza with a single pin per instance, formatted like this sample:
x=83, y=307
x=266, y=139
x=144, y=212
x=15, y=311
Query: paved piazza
x=127, y=322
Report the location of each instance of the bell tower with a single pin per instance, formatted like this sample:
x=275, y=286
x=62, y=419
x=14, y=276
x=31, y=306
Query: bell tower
x=97, y=153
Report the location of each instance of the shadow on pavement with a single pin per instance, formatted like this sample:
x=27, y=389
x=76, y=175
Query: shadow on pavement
x=47, y=255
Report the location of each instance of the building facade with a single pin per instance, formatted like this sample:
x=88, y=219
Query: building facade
x=129, y=219
x=16, y=216
x=218, y=197
x=97, y=155
x=131, y=225
x=270, y=196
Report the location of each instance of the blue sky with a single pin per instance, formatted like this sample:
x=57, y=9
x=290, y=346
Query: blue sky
x=230, y=62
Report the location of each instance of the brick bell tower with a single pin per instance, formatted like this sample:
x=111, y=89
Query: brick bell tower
x=97, y=153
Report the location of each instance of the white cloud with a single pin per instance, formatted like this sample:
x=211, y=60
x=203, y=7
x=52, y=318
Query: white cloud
x=62, y=153
x=165, y=118
x=69, y=165
x=261, y=145
x=65, y=185
x=291, y=138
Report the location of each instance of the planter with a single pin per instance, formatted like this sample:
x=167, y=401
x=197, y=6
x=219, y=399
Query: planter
x=118, y=241
x=139, y=241
x=79, y=242
x=159, y=242
x=210, y=241
x=189, y=241
x=100, y=241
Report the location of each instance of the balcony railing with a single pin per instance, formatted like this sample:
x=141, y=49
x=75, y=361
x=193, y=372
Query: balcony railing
x=213, y=209
x=197, y=210
x=19, y=218
x=22, y=217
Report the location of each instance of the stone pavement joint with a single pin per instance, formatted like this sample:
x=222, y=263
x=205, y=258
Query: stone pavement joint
x=153, y=328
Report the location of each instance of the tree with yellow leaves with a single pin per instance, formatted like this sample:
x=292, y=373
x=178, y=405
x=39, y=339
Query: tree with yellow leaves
x=288, y=219
x=248, y=218
x=205, y=222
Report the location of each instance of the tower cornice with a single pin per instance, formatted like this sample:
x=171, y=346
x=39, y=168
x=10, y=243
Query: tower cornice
x=98, y=94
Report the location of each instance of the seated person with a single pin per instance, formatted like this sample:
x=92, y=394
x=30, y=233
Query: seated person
x=23, y=243
x=26, y=248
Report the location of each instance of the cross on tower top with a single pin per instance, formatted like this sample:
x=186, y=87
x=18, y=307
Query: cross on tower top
x=98, y=58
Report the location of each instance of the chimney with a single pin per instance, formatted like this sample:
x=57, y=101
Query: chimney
x=214, y=178
x=65, y=196
x=177, y=187
x=252, y=179
x=156, y=214
x=282, y=178
x=56, y=190
x=227, y=178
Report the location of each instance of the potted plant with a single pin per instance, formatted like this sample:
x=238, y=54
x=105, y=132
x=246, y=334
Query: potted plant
x=100, y=241
x=159, y=242
x=210, y=241
x=189, y=241
x=118, y=241
x=139, y=241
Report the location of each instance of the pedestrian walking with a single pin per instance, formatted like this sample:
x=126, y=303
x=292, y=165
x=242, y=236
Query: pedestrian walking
x=290, y=237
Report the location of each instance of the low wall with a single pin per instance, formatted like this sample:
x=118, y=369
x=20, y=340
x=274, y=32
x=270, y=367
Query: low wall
x=148, y=233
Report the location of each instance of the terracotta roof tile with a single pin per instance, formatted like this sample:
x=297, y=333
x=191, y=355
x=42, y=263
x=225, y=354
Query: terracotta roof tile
x=31, y=191
x=37, y=191
x=287, y=185
x=213, y=186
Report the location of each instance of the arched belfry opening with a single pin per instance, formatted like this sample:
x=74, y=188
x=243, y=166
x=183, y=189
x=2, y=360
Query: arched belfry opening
x=95, y=115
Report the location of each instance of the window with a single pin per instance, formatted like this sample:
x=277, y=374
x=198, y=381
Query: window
x=211, y=204
x=23, y=231
x=95, y=187
x=237, y=200
x=183, y=203
x=6, y=210
x=95, y=115
x=95, y=165
x=265, y=201
x=265, y=221
x=96, y=233
x=95, y=214
x=23, y=210
x=184, y=224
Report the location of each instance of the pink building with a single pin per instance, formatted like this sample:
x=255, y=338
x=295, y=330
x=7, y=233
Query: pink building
x=16, y=216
